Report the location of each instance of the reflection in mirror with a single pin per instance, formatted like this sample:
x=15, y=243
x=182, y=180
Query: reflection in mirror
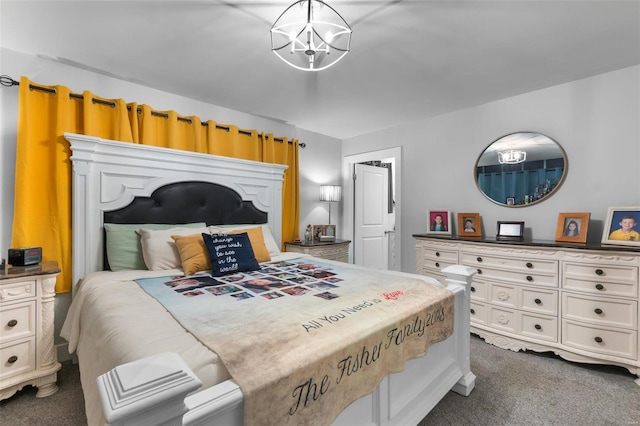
x=521, y=169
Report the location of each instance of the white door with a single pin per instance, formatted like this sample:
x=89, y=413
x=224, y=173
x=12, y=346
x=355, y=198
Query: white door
x=371, y=192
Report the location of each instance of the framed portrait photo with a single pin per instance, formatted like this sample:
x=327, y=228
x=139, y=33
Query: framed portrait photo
x=621, y=226
x=469, y=225
x=508, y=230
x=572, y=227
x=439, y=222
x=324, y=233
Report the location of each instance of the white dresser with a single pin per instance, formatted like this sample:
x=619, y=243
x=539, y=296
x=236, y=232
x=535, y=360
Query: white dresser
x=580, y=302
x=27, y=353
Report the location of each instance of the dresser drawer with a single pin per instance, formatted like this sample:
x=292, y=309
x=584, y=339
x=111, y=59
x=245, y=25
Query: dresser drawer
x=478, y=313
x=538, y=326
x=18, y=290
x=449, y=256
x=606, y=273
x=436, y=265
x=621, y=343
x=17, y=321
x=600, y=286
x=535, y=266
x=502, y=318
x=479, y=290
x=612, y=312
x=539, y=300
x=17, y=358
x=517, y=277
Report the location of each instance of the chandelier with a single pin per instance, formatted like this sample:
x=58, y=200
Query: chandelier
x=310, y=36
x=513, y=156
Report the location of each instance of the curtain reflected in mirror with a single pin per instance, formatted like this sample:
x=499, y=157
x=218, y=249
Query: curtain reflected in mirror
x=521, y=169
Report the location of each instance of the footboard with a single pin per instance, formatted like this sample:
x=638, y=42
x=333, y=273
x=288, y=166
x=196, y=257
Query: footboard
x=154, y=390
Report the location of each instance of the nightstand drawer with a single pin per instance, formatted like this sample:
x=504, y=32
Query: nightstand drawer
x=18, y=290
x=17, y=358
x=17, y=321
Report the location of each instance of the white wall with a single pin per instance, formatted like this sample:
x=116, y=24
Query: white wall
x=596, y=120
x=319, y=161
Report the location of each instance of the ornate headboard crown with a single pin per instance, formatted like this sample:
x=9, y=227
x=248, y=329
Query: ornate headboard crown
x=108, y=175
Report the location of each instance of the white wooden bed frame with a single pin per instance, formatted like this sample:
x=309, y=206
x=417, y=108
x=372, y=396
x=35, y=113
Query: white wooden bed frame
x=160, y=389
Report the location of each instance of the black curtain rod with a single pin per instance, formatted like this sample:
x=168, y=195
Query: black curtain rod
x=7, y=81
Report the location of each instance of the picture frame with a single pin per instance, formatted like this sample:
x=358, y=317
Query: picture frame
x=572, y=227
x=439, y=222
x=469, y=225
x=621, y=226
x=510, y=230
x=322, y=233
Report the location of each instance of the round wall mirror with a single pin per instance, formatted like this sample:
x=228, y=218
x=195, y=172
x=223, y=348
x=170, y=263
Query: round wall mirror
x=521, y=169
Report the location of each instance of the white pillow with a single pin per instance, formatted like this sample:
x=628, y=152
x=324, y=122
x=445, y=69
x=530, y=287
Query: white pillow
x=269, y=240
x=158, y=248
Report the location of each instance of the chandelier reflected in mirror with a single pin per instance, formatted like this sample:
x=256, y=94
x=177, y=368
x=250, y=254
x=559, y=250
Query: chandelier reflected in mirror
x=513, y=156
x=310, y=36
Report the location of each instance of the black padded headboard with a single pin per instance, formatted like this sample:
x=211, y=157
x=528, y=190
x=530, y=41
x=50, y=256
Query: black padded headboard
x=187, y=202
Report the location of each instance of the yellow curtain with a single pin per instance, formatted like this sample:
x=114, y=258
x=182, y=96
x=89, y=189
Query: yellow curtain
x=42, y=206
x=42, y=203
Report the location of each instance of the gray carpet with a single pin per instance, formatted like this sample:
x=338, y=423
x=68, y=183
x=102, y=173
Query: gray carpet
x=522, y=388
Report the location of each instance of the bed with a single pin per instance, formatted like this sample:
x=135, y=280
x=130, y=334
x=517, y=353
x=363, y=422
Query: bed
x=138, y=363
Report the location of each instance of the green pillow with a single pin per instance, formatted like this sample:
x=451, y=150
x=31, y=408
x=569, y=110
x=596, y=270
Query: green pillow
x=124, y=250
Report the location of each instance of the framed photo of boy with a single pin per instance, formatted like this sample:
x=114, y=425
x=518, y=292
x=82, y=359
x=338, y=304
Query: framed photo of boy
x=572, y=227
x=621, y=226
x=469, y=225
x=439, y=222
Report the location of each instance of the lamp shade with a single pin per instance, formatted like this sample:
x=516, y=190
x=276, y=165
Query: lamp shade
x=330, y=193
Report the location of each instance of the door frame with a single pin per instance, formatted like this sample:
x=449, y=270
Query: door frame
x=348, y=162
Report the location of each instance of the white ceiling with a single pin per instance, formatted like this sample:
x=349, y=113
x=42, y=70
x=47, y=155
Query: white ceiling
x=409, y=59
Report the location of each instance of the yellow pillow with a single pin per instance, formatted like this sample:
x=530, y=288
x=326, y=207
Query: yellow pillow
x=195, y=257
x=193, y=253
x=257, y=242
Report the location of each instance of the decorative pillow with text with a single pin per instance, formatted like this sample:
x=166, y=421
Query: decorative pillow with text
x=230, y=253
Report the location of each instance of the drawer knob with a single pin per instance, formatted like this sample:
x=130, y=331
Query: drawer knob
x=599, y=272
x=529, y=265
x=529, y=278
x=599, y=286
x=598, y=311
x=438, y=264
x=473, y=311
x=479, y=259
x=538, y=301
x=479, y=271
x=537, y=327
x=598, y=339
x=473, y=289
x=437, y=254
x=12, y=359
x=12, y=323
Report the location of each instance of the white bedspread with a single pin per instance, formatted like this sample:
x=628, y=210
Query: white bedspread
x=112, y=320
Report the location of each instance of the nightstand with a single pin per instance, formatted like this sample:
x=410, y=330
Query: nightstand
x=331, y=250
x=27, y=353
